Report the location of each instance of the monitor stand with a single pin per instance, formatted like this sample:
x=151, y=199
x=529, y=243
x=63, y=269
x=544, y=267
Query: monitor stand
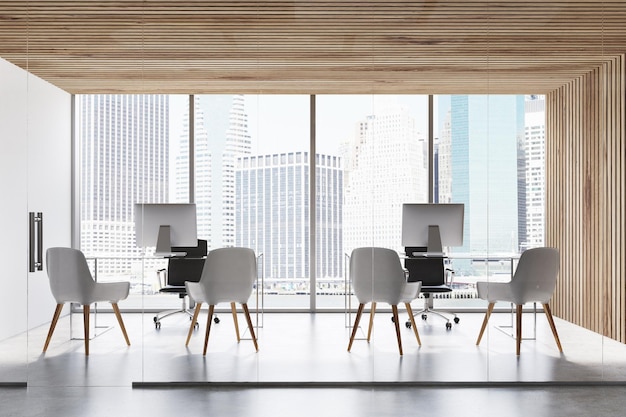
x=164, y=244
x=163, y=240
x=434, y=241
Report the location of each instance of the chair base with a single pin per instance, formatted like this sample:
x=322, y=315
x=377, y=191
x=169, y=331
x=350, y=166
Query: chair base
x=157, y=319
x=428, y=309
x=183, y=310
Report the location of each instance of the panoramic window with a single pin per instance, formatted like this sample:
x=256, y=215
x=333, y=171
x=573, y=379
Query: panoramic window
x=251, y=182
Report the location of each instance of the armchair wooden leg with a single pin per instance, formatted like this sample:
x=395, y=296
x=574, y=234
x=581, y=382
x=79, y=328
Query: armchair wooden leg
x=233, y=308
x=116, y=309
x=396, y=321
x=250, y=327
x=518, y=330
x=546, y=308
x=194, y=320
x=412, y=319
x=356, y=325
x=485, y=321
x=208, y=328
x=371, y=325
x=53, y=325
x=86, y=312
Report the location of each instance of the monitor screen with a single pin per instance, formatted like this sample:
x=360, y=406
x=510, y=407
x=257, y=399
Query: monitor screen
x=417, y=217
x=181, y=219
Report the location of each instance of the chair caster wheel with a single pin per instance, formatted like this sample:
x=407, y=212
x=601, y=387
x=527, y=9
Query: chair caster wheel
x=157, y=324
x=393, y=319
x=216, y=320
x=456, y=319
x=196, y=326
x=424, y=316
x=407, y=324
x=448, y=326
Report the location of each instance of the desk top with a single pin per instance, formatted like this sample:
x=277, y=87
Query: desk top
x=169, y=254
x=426, y=255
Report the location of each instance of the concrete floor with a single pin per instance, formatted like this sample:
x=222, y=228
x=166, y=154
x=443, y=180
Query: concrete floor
x=302, y=368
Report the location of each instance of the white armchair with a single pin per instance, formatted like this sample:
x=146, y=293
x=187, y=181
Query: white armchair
x=228, y=276
x=71, y=281
x=377, y=276
x=534, y=280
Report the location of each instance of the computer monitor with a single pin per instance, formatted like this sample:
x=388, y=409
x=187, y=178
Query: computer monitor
x=433, y=226
x=165, y=225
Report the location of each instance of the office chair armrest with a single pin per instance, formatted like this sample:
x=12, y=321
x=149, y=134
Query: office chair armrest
x=449, y=276
x=161, y=277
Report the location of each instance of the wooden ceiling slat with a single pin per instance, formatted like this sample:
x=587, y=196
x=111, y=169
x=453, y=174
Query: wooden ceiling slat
x=431, y=46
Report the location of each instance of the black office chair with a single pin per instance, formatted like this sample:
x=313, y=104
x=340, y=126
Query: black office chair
x=181, y=269
x=436, y=278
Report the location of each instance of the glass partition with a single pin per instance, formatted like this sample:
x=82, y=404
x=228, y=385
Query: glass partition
x=14, y=100
x=251, y=160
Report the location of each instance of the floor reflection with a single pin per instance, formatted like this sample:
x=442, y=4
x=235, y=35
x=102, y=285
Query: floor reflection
x=310, y=348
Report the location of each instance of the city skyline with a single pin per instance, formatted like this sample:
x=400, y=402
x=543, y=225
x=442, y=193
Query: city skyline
x=382, y=157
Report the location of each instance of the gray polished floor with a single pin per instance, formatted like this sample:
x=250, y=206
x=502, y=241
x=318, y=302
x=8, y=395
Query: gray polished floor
x=303, y=368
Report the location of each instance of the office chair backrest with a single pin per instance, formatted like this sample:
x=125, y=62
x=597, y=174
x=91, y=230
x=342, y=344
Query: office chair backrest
x=430, y=271
x=198, y=251
x=377, y=275
x=188, y=267
x=535, y=276
x=229, y=275
x=69, y=275
x=184, y=269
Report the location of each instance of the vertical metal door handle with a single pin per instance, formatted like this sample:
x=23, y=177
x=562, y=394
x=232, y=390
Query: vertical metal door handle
x=39, y=263
x=35, y=241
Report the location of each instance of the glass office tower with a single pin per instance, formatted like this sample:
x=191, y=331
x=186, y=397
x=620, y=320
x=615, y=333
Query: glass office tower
x=482, y=143
x=272, y=216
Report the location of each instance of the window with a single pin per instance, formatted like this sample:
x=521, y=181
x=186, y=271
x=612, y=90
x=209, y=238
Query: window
x=252, y=181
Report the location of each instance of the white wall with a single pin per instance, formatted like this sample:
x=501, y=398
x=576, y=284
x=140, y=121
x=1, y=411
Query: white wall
x=35, y=175
x=13, y=210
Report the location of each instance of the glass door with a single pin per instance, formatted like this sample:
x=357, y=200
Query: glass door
x=14, y=239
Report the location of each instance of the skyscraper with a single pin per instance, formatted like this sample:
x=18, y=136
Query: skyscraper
x=386, y=166
x=124, y=148
x=485, y=136
x=535, y=170
x=272, y=213
x=221, y=136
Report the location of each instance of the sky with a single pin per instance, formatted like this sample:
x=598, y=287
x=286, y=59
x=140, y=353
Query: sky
x=280, y=123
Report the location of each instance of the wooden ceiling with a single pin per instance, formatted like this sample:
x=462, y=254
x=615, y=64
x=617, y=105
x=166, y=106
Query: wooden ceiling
x=312, y=46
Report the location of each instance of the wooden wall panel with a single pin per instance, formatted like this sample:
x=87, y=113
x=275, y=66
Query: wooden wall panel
x=585, y=183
